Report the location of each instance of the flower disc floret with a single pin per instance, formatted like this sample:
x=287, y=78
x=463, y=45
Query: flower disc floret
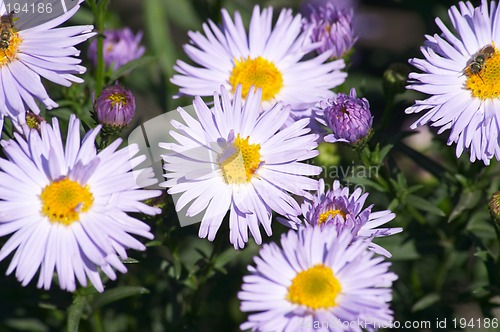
x=315, y=288
x=241, y=165
x=64, y=200
x=259, y=73
x=486, y=83
x=9, y=53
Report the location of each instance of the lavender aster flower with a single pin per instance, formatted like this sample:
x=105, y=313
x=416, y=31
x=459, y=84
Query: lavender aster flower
x=236, y=157
x=333, y=29
x=120, y=46
x=115, y=106
x=66, y=206
x=269, y=57
x=27, y=54
x=318, y=277
x=343, y=211
x=463, y=95
x=347, y=116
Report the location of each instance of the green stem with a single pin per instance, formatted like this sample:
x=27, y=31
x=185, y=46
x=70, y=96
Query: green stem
x=97, y=325
x=205, y=273
x=442, y=273
x=100, y=66
x=99, y=10
x=386, y=116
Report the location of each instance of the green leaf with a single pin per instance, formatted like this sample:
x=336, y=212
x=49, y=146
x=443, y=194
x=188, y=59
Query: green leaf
x=129, y=66
x=468, y=200
x=424, y=205
x=220, y=269
x=414, y=188
x=385, y=150
x=402, y=180
x=130, y=260
x=483, y=255
x=117, y=294
x=426, y=301
x=75, y=312
x=225, y=257
x=159, y=35
x=394, y=204
x=7, y=129
x=26, y=324
x=47, y=306
x=480, y=224
x=177, y=267
x=155, y=243
x=480, y=292
x=182, y=14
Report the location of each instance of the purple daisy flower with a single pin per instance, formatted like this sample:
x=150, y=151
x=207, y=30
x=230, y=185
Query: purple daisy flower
x=337, y=208
x=319, y=280
x=236, y=157
x=120, y=47
x=460, y=73
x=66, y=206
x=115, y=106
x=347, y=116
x=40, y=51
x=332, y=28
x=272, y=57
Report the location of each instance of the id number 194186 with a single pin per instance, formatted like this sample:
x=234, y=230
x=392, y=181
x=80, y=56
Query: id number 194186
x=475, y=323
x=33, y=8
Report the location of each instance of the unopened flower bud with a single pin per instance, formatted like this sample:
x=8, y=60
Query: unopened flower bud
x=333, y=28
x=115, y=107
x=348, y=117
x=495, y=206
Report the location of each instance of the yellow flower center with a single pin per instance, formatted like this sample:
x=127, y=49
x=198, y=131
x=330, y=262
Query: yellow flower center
x=258, y=72
x=33, y=121
x=117, y=99
x=64, y=200
x=241, y=165
x=9, y=44
x=328, y=28
x=330, y=213
x=483, y=79
x=315, y=288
